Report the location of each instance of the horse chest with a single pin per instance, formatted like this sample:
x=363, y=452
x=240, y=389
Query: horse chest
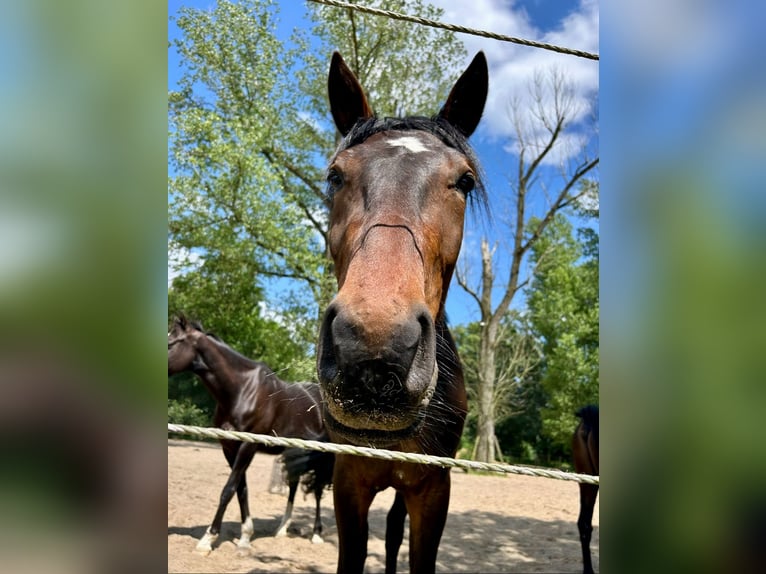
x=400, y=476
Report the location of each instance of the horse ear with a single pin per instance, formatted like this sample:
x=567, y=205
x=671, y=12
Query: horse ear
x=347, y=101
x=465, y=102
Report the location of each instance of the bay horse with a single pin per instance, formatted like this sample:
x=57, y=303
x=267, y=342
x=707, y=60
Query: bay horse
x=250, y=397
x=585, y=454
x=387, y=364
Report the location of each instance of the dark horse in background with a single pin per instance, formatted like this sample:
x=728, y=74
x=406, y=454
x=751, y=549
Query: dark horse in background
x=251, y=398
x=387, y=364
x=585, y=453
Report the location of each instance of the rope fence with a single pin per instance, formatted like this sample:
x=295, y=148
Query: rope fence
x=379, y=453
x=457, y=28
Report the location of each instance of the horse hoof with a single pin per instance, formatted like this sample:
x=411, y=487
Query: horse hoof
x=281, y=533
x=205, y=544
x=243, y=551
x=316, y=539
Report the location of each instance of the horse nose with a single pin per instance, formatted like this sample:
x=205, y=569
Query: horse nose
x=372, y=366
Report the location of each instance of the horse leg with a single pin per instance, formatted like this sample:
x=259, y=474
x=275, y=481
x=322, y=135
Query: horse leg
x=427, y=508
x=244, y=456
x=230, y=449
x=588, y=494
x=246, y=530
x=352, y=505
x=395, y=532
x=316, y=535
x=288, y=516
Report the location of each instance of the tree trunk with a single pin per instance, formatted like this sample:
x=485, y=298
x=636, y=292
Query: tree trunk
x=485, y=432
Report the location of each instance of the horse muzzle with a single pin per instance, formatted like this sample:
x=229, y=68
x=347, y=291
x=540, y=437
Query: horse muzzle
x=376, y=382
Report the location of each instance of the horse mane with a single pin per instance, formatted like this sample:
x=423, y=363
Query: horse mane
x=436, y=125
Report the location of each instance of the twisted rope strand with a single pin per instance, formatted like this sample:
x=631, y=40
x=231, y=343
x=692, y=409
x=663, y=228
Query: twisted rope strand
x=458, y=28
x=390, y=455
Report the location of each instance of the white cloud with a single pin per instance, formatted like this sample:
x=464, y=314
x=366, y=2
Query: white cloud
x=512, y=67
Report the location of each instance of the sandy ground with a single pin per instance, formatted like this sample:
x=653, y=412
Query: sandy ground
x=508, y=523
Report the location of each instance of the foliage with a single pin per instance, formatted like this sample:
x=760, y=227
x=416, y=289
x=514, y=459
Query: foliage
x=564, y=304
x=185, y=412
x=517, y=392
x=226, y=198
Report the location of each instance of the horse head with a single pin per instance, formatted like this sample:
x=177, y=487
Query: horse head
x=182, y=344
x=399, y=189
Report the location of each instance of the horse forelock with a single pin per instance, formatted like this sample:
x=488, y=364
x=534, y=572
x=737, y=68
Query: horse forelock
x=436, y=126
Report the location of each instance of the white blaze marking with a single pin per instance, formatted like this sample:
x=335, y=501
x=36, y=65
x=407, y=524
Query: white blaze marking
x=411, y=143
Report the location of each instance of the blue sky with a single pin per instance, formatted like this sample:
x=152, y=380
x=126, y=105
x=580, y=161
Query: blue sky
x=511, y=68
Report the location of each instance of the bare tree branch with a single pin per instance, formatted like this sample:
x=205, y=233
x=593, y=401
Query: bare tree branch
x=462, y=280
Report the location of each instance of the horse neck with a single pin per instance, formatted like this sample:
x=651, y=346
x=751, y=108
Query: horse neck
x=220, y=369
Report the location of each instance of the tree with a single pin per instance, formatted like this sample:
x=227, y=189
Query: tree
x=564, y=308
x=537, y=140
x=225, y=197
x=516, y=390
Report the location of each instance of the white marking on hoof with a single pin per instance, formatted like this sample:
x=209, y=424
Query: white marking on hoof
x=242, y=542
x=247, y=533
x=205, y=544
x=316, y=539
x=282, y=531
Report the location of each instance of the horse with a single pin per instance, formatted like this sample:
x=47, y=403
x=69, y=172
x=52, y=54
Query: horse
x=387, y=364
x=585, y=454
x=251, y=398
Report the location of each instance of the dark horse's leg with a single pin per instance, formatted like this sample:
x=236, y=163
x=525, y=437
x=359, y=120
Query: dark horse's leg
x=352, y=504
x=588, y=494
x=288, y=516
x=316, y=535
x=242, y=460
x=427, y=508
x=394, y=532
x=230, y=449
x=322, y=468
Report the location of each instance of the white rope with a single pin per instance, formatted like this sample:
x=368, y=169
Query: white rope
x=391, y=455
x=457, y=28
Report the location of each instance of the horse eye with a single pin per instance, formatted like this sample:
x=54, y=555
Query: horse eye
x=334, y=180
x=466, y=183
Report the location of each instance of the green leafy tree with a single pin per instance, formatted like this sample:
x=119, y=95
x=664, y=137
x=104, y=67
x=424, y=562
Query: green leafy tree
x=225, y=196
x=564, y=306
